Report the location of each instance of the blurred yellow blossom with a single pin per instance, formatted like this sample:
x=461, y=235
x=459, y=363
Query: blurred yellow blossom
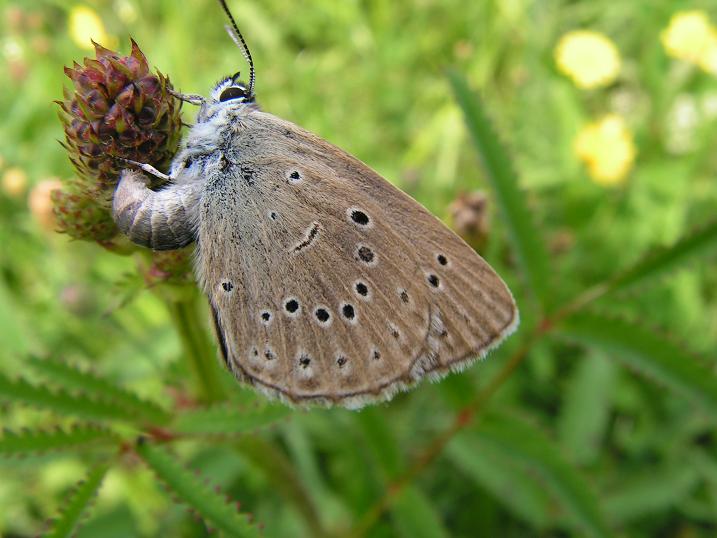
x=708, y=59
x=85, y=25
x=40, y=203
x=607, y=149
x=689, y=36
x=590, y=58
x=14, y=182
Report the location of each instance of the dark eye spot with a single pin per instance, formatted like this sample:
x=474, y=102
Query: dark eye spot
x=233, y=92
x=365, y=254
x=361, y=289
x=433, y=280
x=255, y=352
x=273, y=215
x=348, y=311
x=404, y=296
x=304, y=361
x=322, y=315
x=442, y=259
x=359, y=217
x=292, y=305
x=395, y=333
x=266, y=316
x=269, y=354
x=188, y=162
x=294, y=176
x=341, y=361
x=228, y=286
x=376, y=355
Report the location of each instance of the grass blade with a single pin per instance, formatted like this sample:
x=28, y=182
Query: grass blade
x=79, y=502
x=210, y=505
x=499, y=172
x=40, y=442
x=530, y=446
x=653, y=356
x=73, y=377
x=21, y=391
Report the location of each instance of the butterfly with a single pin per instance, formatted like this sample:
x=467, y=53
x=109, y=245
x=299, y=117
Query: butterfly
x=327, y=284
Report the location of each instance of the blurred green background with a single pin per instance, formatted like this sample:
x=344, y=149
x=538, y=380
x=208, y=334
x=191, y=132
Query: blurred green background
x=612, y=133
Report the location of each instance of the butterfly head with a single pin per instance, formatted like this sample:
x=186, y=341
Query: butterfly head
x=231, y=90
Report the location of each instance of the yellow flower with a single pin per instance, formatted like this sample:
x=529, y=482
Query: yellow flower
x=607, y=149
x=708, y=58
x=14, y=182
x=40, y=203
x=85, y=25
x=590, y=58
x=688, y=36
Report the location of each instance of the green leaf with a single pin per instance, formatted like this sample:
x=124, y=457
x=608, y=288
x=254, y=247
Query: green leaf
x=78, y=504
x=191, y=489
x=656, y=492
x=498, y=474
x=653, y=356
x=36, y=442
x=60, y=401
x=666, y=259
x=73, y=378
x=499, y=172
x=414, y=516
x=585, y=412
x=225, y=420
x=531, y=447
x=381, y=442
x=282, y=473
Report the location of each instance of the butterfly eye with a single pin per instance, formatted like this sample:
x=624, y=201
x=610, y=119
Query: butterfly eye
x=233, y=92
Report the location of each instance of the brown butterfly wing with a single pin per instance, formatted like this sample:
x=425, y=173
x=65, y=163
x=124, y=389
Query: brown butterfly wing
x=328, y=284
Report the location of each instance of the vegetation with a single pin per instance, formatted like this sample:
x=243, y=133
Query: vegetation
x=589, y=129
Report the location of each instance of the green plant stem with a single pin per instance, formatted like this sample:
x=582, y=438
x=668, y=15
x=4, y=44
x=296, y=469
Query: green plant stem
x=197, y=347
x=464, y=417
x=435, y=448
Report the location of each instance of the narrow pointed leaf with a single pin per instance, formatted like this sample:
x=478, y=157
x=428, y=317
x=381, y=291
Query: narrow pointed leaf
x=651, y=355
x=72, y=377
x=585, y=412
x=499, y=172
x=414, y=516
x=38, y=442
x=653, y=493
x=78, y=504
x=225, y=420
x=657, y=263
x=493, y=471
x=531, y=447
x=210, y=505
x=60, y=401
x=282, y=474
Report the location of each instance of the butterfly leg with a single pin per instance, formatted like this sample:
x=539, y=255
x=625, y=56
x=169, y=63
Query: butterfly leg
x=161, y=220
x=190, y=98
x=151, y=170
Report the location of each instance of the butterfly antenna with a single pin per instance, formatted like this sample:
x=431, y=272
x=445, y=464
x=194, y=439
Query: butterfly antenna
x=236, y=36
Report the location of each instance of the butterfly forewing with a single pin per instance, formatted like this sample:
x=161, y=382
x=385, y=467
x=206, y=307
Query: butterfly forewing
x=330, y=285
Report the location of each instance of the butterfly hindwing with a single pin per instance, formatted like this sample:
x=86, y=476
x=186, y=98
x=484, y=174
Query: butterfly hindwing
x=330, y=285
